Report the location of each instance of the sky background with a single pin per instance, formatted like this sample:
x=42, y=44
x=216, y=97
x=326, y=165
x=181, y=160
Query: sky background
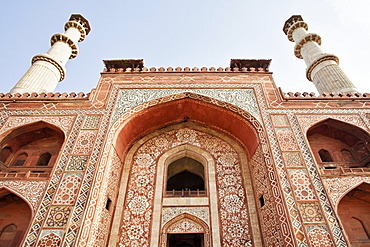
x=185, y=33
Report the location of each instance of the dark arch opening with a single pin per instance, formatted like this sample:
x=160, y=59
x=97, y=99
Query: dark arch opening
x=185, y=175
x=354, y=213
x=185, y=240
x=5, y=153
x=43, y=159
x=325, y=155
x=15, y=218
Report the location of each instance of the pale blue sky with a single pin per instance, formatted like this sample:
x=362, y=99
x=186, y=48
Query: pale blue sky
x=191, y=33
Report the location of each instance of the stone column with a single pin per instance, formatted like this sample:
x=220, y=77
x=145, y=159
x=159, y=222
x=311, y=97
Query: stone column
x=48, y=69
x=322, y=68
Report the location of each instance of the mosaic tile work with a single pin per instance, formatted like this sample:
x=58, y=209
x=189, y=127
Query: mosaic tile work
x=319, y=236
x=50, y=240
x=293, y=159
x=185, y=226
x=169, y=213
x=268, y=214
x=76, y=216
x=63, y=122
x=91, y=219
x=92, y=122
x=139, y=200
x=337, y=187
x=286, y=139
x=316, y=181
x=311, y=212
x=280, y=120
x=68, y=189
x=301, y=185
x=85, y=142
x=287, y=142
x=77, y=163
x=58, y=216
x=32, y=191
x=52, y=187
x=243, y=98
x=103, y=231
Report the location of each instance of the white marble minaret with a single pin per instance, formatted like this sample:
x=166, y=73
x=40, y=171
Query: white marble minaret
x=48, y=69
x=322, y=68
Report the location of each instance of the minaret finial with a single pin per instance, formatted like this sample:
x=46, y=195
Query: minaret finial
x=49, y=69
x=322, y=68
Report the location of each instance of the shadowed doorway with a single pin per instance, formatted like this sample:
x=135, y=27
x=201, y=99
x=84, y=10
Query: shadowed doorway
x=185, y=240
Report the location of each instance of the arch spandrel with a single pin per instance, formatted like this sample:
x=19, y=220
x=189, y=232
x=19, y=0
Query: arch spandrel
x=64, y=123
x=186, y=107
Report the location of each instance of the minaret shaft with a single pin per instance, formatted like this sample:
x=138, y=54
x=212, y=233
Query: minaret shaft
x=322, y=68
x=48, y=69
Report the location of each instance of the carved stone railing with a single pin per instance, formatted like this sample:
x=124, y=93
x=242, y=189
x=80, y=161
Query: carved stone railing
x=24, y=175
x=186, y=193
x=345, y=171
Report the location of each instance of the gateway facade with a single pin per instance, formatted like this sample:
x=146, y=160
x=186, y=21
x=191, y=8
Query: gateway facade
x=184, y=156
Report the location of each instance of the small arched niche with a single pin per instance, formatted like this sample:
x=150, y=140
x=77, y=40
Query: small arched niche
x=354, y=213
x=15, y=218
x=32, y=147
x=338, y=144
x=185, y=177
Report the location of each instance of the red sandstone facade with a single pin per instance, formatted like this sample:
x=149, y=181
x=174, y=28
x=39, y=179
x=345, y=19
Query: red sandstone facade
x=272, y=169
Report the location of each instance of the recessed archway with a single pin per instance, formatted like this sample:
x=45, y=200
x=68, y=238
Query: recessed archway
x=354, y=213
x=335, y=143
x=33, y=147
x=15, y=215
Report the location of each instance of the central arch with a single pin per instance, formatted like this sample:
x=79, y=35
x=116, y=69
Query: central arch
x=149, y=119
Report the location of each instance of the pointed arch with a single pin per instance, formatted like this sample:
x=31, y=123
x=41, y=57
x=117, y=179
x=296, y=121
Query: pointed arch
x=185, y=224
x=187, y=107
x=354, y=213
x=347, y=144
x=16, y=217
x=31, y=144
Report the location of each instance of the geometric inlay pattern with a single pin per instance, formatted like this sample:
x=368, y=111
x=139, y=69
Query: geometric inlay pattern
x=31, y=191
x=301, y=184
x=85, y=142
x=68, y=189
x=63, y=122
x=311, y=212
x=280, y=120
x=50, y=240
x=91, y=122
x=77, y=163
x=58, y=217
x=243, y=98
x=319, y=236
x=185, y=226
x=137, y=213
x=337, y=187
x=286, y=139
x=293, y=159
x=169, y=213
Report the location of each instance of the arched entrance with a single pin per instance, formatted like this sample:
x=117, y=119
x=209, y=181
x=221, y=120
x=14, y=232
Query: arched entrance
x=354, y=213
x=336, y=144
x=185, y=230
x=15, y=216
x=230, y=124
